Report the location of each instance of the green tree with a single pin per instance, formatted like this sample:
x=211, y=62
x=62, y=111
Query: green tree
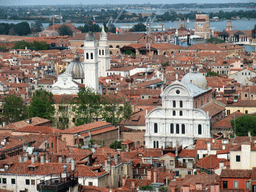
x=22, y=29
x=255, y=27
x=88, y=106
x=37, y=26
x=243, y=124
x=140, y=27
x=42, y=105
x=115, y=109
x=13, y=109
x=36, y=45
x=146, y=187
x=116, y=145
x=65, y=30
x=211, y=73
x=214, y=40
x=64, y=112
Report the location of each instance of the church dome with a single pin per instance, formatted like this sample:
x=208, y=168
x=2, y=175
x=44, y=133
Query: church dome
x=76, y=68
x=195, y=78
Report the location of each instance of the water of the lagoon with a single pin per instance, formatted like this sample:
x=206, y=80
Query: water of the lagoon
x=216, y=25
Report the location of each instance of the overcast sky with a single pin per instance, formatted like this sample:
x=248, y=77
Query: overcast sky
x=65, y=2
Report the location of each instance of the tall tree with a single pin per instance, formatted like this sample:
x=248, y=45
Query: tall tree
x=140, y=27
x=88, y=106
x=65, y=30
x=116, y=109
x=13, y=109
x=22, y=29
x=42, y=105
x=243, y=124
x=37, y=26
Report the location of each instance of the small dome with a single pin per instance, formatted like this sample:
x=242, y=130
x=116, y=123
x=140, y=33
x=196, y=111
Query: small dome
x=76, y=68
x=195, y=78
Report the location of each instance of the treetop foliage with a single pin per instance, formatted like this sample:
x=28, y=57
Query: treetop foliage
x=243, y=124
x=65, y=30
x=140, y=27
x=36, y=45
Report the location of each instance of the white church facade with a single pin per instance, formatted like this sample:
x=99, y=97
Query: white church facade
x=179, y=122
x=85, y=74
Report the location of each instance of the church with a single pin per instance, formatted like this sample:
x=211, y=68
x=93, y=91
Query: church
x=180, y=122
x=85, y=74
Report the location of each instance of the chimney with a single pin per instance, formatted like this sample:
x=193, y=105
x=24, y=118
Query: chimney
x=208, y=148
x=60, y=159
x=20, y=158
x=133, y=184
x=149, y=174
x=186, y=187
x=123, y=180
x=249, y=135
x=73, y=165
x=32, y=159
x=25, y=158
x=47, y=158
x=223, y=147
x=155, y=176
x=221, y=164
x=199, y=186
x=42, y=159
x=116, y=159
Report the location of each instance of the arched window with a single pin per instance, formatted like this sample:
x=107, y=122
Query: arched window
x=99, y=52
x=181, y=104
x=173, y=113
x=171, y=128
x=183, y=129
x=177, y=128
x=102, y=52
x=155, y=128
x=154, y=144
x=181, y=113
x=117, y=46
x=174, y=103
x=110, y=46
x=87, y=55
x=91, y=55
x=199, y=129
x=157, y=144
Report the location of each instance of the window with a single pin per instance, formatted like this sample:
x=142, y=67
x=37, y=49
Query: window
x=0, y=180
x=225, y=184
x=177, y=173
x=102, y=52
x=235, y=184
x=138, y=142
x=52, y=145
x=238, y=158
x=174, y=103
x=87, y=55
x=177, y=128
x=181, y=113
x=177, y=91
x=33, y=182
x=181, y=104
x=90, y=183
x=228, y=112
x=4, y=181
x=245, y=95
x=99, y=52
x=27, y=182
x=183, y=128
x=155, y=128
x=91, y=55
x=13, y=181
x=171, y=162
x=173, y=113
x=199, y=129
x=171, y=128
x=247, y=184
x=246, y=111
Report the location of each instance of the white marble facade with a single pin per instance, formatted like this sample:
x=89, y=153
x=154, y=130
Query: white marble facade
x=177, y=122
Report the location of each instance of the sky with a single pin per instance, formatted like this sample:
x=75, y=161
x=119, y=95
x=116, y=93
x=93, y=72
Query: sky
x=86, y=2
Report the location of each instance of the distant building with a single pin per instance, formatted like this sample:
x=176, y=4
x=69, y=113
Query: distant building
x=202, y=26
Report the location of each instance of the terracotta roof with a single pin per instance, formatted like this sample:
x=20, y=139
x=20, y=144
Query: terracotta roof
x=213, y=108
x=236, y=173
x=137, y=119
x=225, y=123
x=86, y=127
x=34, y=121
x=210, y=162
x=38, y=129
x=188, y=153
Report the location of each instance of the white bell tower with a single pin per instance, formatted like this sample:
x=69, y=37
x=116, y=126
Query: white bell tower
x=91, y=79
x=103, y=54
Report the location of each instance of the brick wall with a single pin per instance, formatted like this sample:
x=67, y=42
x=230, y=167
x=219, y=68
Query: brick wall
x=134, y=136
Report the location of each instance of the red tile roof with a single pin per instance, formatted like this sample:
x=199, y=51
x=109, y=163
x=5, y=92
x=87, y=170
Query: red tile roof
x=188, y=153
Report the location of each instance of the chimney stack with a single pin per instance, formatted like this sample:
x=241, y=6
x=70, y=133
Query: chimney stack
x=73, y=165
x=42, y=159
